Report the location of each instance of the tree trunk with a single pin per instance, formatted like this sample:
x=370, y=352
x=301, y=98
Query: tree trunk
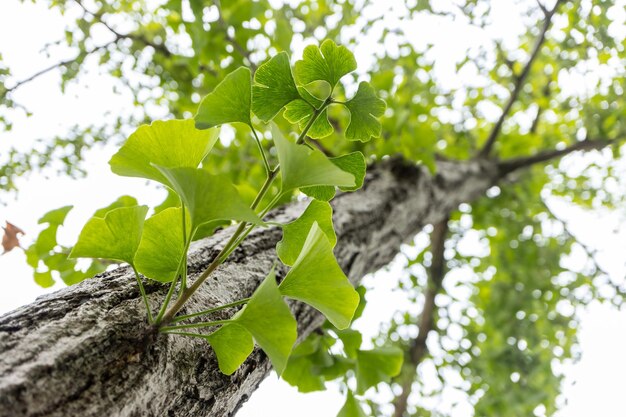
x=86, y=350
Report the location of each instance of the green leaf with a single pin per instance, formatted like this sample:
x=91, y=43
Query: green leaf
x=123, y=201
x=274, y=87
x=318, y=280
x=44, y=279
x=320, y=192
x=114, y=237
x=364, y=108
x=208, y=197
x=269, y=320
x=232, y=345
x=354, y=163
x=298, y=111
x=351, y=408
x=229, y=102
x=299, y=371
x=351, y=340
x=162, y=246
x=170, y=144
x=296, y=232
x=302, y=167
x=56, y=216
x=328, y=63
x=376, y=366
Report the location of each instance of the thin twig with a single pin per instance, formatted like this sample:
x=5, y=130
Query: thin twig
x=510, y=165
x=543, y=8
x=53, y=67
x=519, y=84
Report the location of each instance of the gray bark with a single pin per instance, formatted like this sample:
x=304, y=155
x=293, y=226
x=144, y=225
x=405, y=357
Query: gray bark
x=87, y=351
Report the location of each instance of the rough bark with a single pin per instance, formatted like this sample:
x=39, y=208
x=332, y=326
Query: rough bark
x=87, y=351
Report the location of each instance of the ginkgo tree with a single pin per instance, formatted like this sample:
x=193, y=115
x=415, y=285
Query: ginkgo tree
x=328, y=167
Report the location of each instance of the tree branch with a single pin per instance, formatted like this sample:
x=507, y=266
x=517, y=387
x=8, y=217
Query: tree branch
x=508, y=166
x=135, y=37
x=519, y=84
x=53, y=67
x=543, y=8
x=418, y=348
x=92, y=343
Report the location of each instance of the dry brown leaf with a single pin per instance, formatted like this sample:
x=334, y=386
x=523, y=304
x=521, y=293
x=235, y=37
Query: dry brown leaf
x=10, y=238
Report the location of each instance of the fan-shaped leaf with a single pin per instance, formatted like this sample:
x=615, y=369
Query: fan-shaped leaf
x=274, y=87
x=377, y=365
x=232, y=345
x=269, y=320
x=208, y=197
x=115, y=237
x=296, y=232
x=365, y=108
x=171, y=144
x=317, y=279
x=328, y=62
x=302, y=167
x=229, y=102
x=162, y=246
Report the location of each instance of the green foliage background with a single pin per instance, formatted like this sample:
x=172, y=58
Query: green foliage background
x=512, y=323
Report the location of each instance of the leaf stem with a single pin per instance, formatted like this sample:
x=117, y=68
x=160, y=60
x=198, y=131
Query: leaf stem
x=183, y=284
x=166, y=302
x=211, y=310
x=185, y=334
x=142, y=290
x=313, y=119
x=266, y=163
x=196, y=325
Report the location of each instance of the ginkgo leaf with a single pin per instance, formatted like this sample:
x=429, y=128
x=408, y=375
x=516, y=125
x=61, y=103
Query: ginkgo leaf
x=303, y=167
x=317, y=279
x=268, y=318
x=208, y=197
x=354, y=163
x=296, y=232
x=376, y=366
x=299, y=371
x=351, y=339
x=329, y=63
x=44, y=279
x=274, y=87
x=232, y=345
x=56, y=216
x=115, y=237
x=365, y=107
x=298, y=111
x=171, y=144
x=162, y=246
x=10, y=239
x=351, y=408
x=320, y=192
x=229, y=102
x=123, y=201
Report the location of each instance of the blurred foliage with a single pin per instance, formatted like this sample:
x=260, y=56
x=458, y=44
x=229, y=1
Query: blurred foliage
x=517, y=316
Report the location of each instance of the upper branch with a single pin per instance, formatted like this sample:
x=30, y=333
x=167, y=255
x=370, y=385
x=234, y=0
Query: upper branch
x=510, y=165
x=418, y=349
x=519, y=83
x=53, y=67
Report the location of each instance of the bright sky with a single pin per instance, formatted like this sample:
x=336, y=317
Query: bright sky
x=594, y=386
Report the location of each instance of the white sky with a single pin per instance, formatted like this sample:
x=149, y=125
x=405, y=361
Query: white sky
x=594, y=386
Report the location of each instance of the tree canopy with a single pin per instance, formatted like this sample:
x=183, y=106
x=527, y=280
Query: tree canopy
x=500, y=314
